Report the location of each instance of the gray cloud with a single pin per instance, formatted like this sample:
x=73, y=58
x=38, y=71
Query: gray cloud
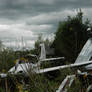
x=29, y=18
x=15, y=9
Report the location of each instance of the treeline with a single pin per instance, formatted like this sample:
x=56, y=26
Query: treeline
x=71, y=36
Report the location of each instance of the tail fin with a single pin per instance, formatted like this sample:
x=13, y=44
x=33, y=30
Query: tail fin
x=86, y=52
x=43, y=52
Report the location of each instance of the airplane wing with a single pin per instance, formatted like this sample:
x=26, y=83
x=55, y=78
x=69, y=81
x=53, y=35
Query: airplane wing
x=63, y=67
x=51, y=59
x=3, y=75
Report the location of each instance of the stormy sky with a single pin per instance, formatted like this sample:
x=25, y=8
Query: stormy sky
x=26, y=19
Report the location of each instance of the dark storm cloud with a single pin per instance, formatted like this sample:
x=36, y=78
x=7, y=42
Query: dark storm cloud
x=14, y=9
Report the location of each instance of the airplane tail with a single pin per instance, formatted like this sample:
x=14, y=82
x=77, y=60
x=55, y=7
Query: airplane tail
x=42, y=55
x=86, y=52
x=43, y=52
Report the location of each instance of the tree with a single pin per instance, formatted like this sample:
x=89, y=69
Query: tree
x=7, y=58
x=71, y=35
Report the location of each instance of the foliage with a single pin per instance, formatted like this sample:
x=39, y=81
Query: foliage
x=7, y=58
x=71, y=35
x=39, y=83
x=76, y=86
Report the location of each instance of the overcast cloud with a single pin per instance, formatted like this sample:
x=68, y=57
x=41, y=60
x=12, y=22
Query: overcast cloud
x=28, y=18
